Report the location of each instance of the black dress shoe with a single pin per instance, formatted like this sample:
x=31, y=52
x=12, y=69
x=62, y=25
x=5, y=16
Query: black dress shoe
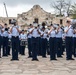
x=14, y=59
x=22, y=54
x=35, y=60
x=67, y=59
x=59, y=56
x=5, y=55
x=53, y=59
x=44, y=56
x=29, y=56
x=72, y=59
x=9, y=54
x=17, y=59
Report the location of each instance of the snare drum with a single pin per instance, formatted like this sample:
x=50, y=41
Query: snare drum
x=23, y=42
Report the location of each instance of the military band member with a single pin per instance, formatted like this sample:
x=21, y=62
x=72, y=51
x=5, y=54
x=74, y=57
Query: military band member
x=23, y=38
x=39, y=42
x=43, y=42
x=29, y=37
x=59, y=33
x=5, y=40
x=15, y=41
x=35, y=33
x=52, y=43
x=69, y=40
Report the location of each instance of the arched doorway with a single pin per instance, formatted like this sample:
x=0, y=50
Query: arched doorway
x=36, y=20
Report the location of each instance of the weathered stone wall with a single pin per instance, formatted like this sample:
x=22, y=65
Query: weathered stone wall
x=35, y=14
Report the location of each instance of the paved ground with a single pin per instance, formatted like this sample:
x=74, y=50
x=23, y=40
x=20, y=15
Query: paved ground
x=42, y=67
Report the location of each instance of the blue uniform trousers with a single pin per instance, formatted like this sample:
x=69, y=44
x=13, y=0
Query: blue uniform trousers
x=52, y=43
x=34, y=48
x=5, y=46
x=43, y=47
x=59, y=47
x=30, y=47
x=69, y=45
x=22, y=50
x=39, y=46
x=15, y=47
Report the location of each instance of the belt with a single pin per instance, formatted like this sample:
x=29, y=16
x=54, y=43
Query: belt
x=69, y=36
x=15, y=36
x=5, y=36
x=52, y=37
x=34, y=37
x=44, y=38
x=58, y=38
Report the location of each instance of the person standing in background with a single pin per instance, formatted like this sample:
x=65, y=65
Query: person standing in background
x=23, y=38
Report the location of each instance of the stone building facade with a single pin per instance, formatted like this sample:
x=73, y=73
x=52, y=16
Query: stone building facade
x=38, y=15
x=35, y=14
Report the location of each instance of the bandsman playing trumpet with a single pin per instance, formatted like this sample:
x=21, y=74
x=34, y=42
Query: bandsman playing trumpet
x=52, y=42
x=35, y=36
x=15, y=30
x=69, y=40
x=59, y=33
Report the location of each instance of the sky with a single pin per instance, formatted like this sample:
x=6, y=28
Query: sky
x=15, y=7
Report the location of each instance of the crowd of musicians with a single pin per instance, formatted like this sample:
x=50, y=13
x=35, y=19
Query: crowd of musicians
x=42, y=41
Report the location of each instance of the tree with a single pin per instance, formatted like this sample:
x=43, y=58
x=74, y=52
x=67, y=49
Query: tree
x=73, y=10
x=68, y=7
x=62, y=6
